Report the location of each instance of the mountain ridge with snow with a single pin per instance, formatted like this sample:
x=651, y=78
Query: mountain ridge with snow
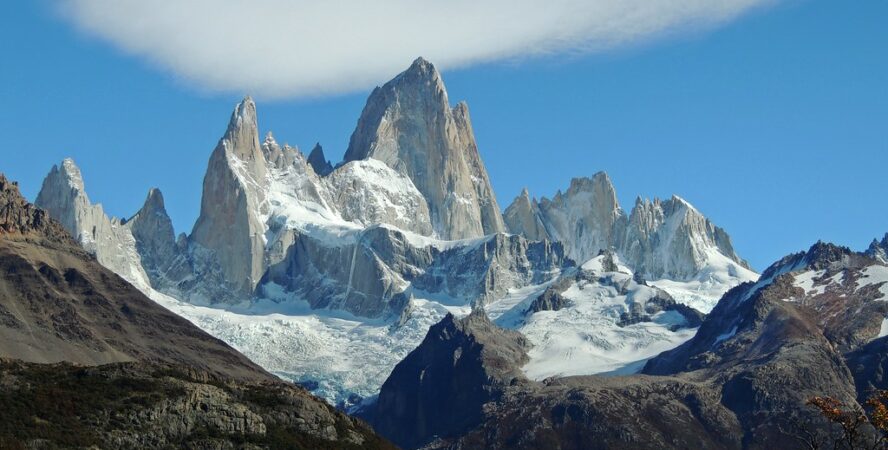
x=352, y=257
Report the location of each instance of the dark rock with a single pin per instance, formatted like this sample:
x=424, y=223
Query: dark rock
x=319, y=162
x=440, y=388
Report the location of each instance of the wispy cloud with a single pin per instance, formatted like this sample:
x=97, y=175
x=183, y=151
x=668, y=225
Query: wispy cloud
x=294, y=48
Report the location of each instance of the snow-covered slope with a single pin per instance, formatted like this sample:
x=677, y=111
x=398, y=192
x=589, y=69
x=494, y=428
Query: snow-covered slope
x=597, y=320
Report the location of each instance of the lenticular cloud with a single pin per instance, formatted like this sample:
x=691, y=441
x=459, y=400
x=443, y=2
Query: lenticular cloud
x=299, y=48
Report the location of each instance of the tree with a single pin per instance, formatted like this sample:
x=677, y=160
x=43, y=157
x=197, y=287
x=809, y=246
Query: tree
x=849, y=427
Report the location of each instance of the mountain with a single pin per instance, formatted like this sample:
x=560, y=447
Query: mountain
x=409, y=125
x=109, y=239
x=319, y=162
x=523, y=217
x=667, y=242
x=353, y=244
x=60, y=304
x=328, y=275
x=813, y=325
x=468, y=360
x=233, y=201
x=87, y=360
x=879, y=249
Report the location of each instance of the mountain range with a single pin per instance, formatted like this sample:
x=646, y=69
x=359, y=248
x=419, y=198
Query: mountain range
x=392, y=285
x=401, y=232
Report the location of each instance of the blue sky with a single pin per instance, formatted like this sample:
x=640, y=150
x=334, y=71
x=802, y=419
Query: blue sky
x=773, y=124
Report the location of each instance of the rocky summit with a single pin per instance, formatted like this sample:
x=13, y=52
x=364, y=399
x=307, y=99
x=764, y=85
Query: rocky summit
x=409, y=125
x=659, y=239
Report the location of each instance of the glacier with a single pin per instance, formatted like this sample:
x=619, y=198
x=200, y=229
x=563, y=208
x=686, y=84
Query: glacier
x=329, y=275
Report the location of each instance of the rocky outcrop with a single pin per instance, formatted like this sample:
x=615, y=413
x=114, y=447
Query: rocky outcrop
x=440, y=388
x=523, y=217
x=409, y=125
x=821, y=290
x=794, y=334
x=230, y=226
x=486, y=270
x=319, y=162
x=155, y=239
x=671, y=239
x=552, y=299
x=659, y=239
x=879, y=249
x=110, y=239
x=19, y=217
x=587, y=217
x=372, y=272
x=599, y=413
x=463, y=388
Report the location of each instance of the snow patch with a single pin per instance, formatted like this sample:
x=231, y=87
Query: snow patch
x=874, y=275
x=585, y=338
x=705, y=290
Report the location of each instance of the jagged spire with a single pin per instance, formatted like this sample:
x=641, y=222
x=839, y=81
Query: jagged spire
x=409, y=125
x=422, y=69
x=318, y=161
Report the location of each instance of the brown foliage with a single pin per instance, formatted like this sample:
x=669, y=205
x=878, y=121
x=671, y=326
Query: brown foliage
x=857, y=429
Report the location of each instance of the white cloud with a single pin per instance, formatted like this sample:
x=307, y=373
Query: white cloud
x=294, y=48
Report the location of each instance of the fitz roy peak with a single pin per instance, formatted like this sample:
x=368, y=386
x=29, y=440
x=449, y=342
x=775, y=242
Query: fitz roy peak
x=360, y=238
x=409, y=125
x=365, y=255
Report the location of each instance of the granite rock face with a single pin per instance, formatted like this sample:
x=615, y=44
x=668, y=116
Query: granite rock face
x=658, y=239
x=368, y=192
x=587, y=217
x=523, y=217
x=356, y=239
x=271, y=215
x=671, y=239
x=373, y=272
x=153, y=232
x=110, y=239
x=230, y=225
x=409, y=125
